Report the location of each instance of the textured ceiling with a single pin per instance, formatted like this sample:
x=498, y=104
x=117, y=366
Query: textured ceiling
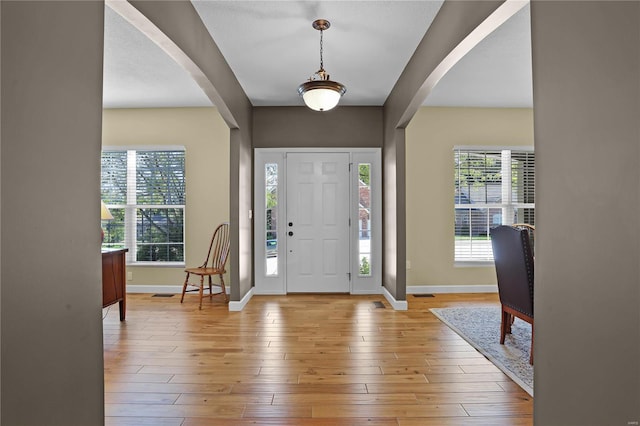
x=496, y=73
x=139, y=74
x=272, y=48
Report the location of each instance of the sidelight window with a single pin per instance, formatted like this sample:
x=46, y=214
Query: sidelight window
x=271, y=218
x=364, y=219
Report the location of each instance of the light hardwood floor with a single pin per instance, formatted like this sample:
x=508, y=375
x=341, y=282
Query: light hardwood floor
x=300, y=360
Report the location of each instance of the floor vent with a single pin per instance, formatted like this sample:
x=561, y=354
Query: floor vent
x=423, y=295
x=378, y=305
x=163, y=295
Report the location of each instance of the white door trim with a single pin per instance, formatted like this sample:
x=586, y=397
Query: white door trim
x=276, y=284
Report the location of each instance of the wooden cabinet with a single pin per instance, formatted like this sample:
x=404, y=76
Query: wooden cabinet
x=114, y=279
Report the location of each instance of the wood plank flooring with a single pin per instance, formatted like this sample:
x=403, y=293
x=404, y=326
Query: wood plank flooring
x=300, y=360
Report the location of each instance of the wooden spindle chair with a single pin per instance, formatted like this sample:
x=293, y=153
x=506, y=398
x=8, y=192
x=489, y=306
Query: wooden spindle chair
x=213, y=265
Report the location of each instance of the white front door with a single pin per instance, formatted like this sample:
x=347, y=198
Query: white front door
x=317, y=222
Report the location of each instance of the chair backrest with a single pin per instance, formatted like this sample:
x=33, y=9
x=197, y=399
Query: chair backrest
x=219, y=248
x=514, y=267
x=531, y=229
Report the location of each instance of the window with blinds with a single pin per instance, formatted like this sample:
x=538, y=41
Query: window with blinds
x=491, y=187
x=145, y=192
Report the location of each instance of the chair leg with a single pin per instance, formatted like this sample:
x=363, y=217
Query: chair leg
x=504, y=323
x=210, y=289
x=224, y=290
x=184, y=287
x=201, y=289
x=531, y=355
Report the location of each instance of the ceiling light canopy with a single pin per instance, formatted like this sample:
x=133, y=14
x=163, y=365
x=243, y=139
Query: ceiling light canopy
x=320, y=93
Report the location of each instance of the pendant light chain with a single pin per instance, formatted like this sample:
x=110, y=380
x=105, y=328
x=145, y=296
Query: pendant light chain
x=321, y=60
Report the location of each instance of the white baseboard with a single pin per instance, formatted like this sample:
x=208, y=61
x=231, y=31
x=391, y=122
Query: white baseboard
x=376, y=290
x=433, y=289
x=238, y=306
x=398, y=305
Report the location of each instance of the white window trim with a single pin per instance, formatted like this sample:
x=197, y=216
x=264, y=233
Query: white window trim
x=268, y=284
x=116, y=148
x=367, y=284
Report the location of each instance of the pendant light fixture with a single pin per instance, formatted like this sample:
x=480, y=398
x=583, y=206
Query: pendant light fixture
x=320, y=93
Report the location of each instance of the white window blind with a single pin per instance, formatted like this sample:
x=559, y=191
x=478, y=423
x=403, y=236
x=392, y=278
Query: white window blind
x=145, y=192
x=492, y=187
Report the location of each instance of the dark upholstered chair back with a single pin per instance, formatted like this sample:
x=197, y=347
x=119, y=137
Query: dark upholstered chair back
x=514, y=268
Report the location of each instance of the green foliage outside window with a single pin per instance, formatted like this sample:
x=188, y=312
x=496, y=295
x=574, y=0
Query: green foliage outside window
x=363, y=172
x=477, y=170
x=365, y=268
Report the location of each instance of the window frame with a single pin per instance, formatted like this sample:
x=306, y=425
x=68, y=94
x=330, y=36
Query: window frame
x=507, y=205
x=131, y=206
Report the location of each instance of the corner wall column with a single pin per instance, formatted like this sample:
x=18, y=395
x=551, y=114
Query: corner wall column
x=51, y=306
x=394, y=274
x=586, y=93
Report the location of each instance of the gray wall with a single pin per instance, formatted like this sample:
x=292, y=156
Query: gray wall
x=586, y=79
x=344, y=126
x=0, y=216
x=51, y=305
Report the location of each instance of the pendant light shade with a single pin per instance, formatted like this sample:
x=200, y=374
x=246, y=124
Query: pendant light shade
x=320, y=93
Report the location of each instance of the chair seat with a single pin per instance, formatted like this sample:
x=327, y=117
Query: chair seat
x=205, y=271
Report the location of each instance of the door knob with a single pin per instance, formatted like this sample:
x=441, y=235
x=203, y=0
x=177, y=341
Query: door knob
x=291, y=233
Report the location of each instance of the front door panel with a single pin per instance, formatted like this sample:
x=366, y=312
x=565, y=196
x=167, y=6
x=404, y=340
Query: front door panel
x=317, y=228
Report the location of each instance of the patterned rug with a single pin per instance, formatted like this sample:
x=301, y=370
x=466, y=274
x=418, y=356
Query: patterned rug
x=480, y=326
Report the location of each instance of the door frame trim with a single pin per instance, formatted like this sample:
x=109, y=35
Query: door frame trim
x=264, y=284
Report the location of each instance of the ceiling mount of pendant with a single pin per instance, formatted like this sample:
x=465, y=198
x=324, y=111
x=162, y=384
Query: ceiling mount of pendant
x=321, y=24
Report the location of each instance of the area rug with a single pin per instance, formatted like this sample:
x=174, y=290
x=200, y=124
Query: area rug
x=480, y=326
